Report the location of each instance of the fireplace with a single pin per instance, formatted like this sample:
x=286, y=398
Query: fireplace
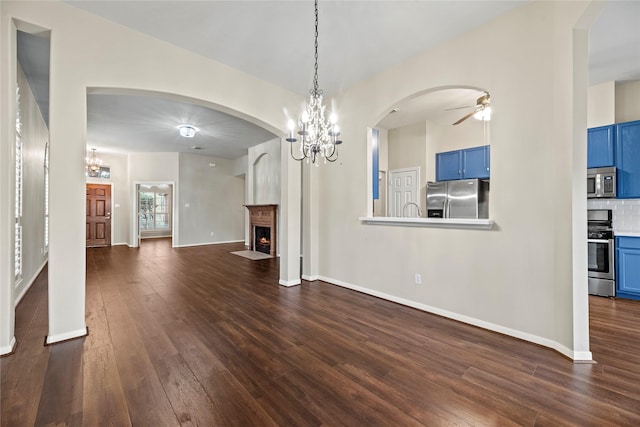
x=262, y=239
x=262, y=226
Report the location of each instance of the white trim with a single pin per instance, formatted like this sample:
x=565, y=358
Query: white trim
x=478, y=224
x=9, y=348
x=121, y=244
x=311, y=278
x=289, y=283
x=576, y=356
x=208, y=243
x=28, y=286
x=52, y=339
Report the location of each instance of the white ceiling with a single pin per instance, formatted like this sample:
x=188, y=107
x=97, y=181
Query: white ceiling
x=273, y=40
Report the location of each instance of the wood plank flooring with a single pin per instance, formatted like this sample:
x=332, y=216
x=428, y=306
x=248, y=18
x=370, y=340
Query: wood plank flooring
x=201, y=337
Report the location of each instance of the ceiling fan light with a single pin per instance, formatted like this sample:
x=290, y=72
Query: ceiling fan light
x=483, y=114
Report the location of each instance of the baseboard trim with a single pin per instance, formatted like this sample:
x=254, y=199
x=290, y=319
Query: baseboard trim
x=208, y=243
x=289, y=283
x=31, y=282
x=311, y=278
x=8, y=349
x=54, y=339
x=576, y=356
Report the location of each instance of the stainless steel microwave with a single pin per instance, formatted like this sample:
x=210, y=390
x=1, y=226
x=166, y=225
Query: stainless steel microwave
x=601, y=183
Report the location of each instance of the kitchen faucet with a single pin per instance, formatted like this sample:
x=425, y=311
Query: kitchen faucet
x=414, y=204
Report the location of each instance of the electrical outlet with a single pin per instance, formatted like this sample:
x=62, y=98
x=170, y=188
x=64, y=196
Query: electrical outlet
x=418, y=279
x=212, y=234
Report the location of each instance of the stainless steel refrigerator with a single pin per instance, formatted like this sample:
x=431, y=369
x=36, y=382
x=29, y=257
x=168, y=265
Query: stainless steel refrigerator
x=465, y=198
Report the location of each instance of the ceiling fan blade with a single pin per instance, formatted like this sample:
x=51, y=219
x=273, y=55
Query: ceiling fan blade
x=459, y=108
x=464, y=118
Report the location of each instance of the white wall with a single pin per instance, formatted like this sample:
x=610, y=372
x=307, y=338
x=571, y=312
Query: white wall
x=520, y=278
x=215, y=198
x=601, y=104
x=627, y=102
x=407, y=148
x=34, y=136
x=90, y=52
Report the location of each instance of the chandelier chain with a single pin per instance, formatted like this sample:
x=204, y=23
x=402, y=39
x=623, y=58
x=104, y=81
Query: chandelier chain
x=315, y=91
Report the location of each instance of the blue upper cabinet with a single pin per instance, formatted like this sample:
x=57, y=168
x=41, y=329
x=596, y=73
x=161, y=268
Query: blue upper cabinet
x=463, y=164
x=449, y=165
x=475, y=162
x=628, y=159
x=601, y=147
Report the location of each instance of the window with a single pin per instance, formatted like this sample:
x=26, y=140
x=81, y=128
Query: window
x=154, y=209
x=46, y=196
x=18, y=193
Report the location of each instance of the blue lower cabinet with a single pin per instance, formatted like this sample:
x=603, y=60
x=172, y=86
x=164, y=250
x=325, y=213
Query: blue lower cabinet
x=628, y=267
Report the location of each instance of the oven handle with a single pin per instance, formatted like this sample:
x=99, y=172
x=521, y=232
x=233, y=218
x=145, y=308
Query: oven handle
x=599, y=240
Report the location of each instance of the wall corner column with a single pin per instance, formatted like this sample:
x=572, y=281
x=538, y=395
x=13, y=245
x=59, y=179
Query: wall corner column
x=290, y=209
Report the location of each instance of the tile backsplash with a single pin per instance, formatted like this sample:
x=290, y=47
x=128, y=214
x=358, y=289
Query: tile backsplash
x=626, y=212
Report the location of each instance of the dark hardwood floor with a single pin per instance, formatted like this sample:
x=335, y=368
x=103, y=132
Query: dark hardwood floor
x=201, y=337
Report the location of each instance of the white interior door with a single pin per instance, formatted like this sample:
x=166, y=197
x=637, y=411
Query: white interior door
x=404, y=187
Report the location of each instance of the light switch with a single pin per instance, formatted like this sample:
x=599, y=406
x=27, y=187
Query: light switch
x=186, y=205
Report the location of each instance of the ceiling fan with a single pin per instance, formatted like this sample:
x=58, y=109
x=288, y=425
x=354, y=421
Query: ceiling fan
x=482, y=109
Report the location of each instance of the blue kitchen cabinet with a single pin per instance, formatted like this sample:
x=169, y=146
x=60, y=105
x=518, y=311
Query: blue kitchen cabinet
x=448, y=165
x=463, y=164
x=628, y=267
x=475, y=162
x=628, y=159
x=601, y=147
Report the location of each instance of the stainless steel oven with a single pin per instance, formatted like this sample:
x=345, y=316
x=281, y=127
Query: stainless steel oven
x=601, y=261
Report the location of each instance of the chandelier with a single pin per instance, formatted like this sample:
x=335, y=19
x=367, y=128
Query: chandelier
x=318, y=135
x=93, y=163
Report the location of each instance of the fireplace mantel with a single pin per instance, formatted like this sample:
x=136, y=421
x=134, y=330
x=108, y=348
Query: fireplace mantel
x=263, y=216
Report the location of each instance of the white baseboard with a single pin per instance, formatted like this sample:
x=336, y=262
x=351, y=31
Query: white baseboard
x=289, y=283
x=33, y=279
x=8, y=348
x=576, y=356
x=52, y=339
x=311, y=278
x=208, y=243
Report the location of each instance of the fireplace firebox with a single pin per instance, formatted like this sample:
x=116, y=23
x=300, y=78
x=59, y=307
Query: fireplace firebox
x=262, y=239
x=262, y=226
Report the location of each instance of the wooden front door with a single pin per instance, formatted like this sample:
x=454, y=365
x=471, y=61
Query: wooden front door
x=98, y=215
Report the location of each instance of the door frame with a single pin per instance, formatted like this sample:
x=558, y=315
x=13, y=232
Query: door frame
x=390, y=180
x=135, y=232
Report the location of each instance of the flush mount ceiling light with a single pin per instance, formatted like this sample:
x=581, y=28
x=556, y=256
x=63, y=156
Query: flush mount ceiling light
x=187, y=131
x=318, y=136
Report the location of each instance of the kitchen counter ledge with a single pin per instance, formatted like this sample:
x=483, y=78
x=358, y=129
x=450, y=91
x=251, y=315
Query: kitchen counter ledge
x=478, y=224
x=626, y=234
